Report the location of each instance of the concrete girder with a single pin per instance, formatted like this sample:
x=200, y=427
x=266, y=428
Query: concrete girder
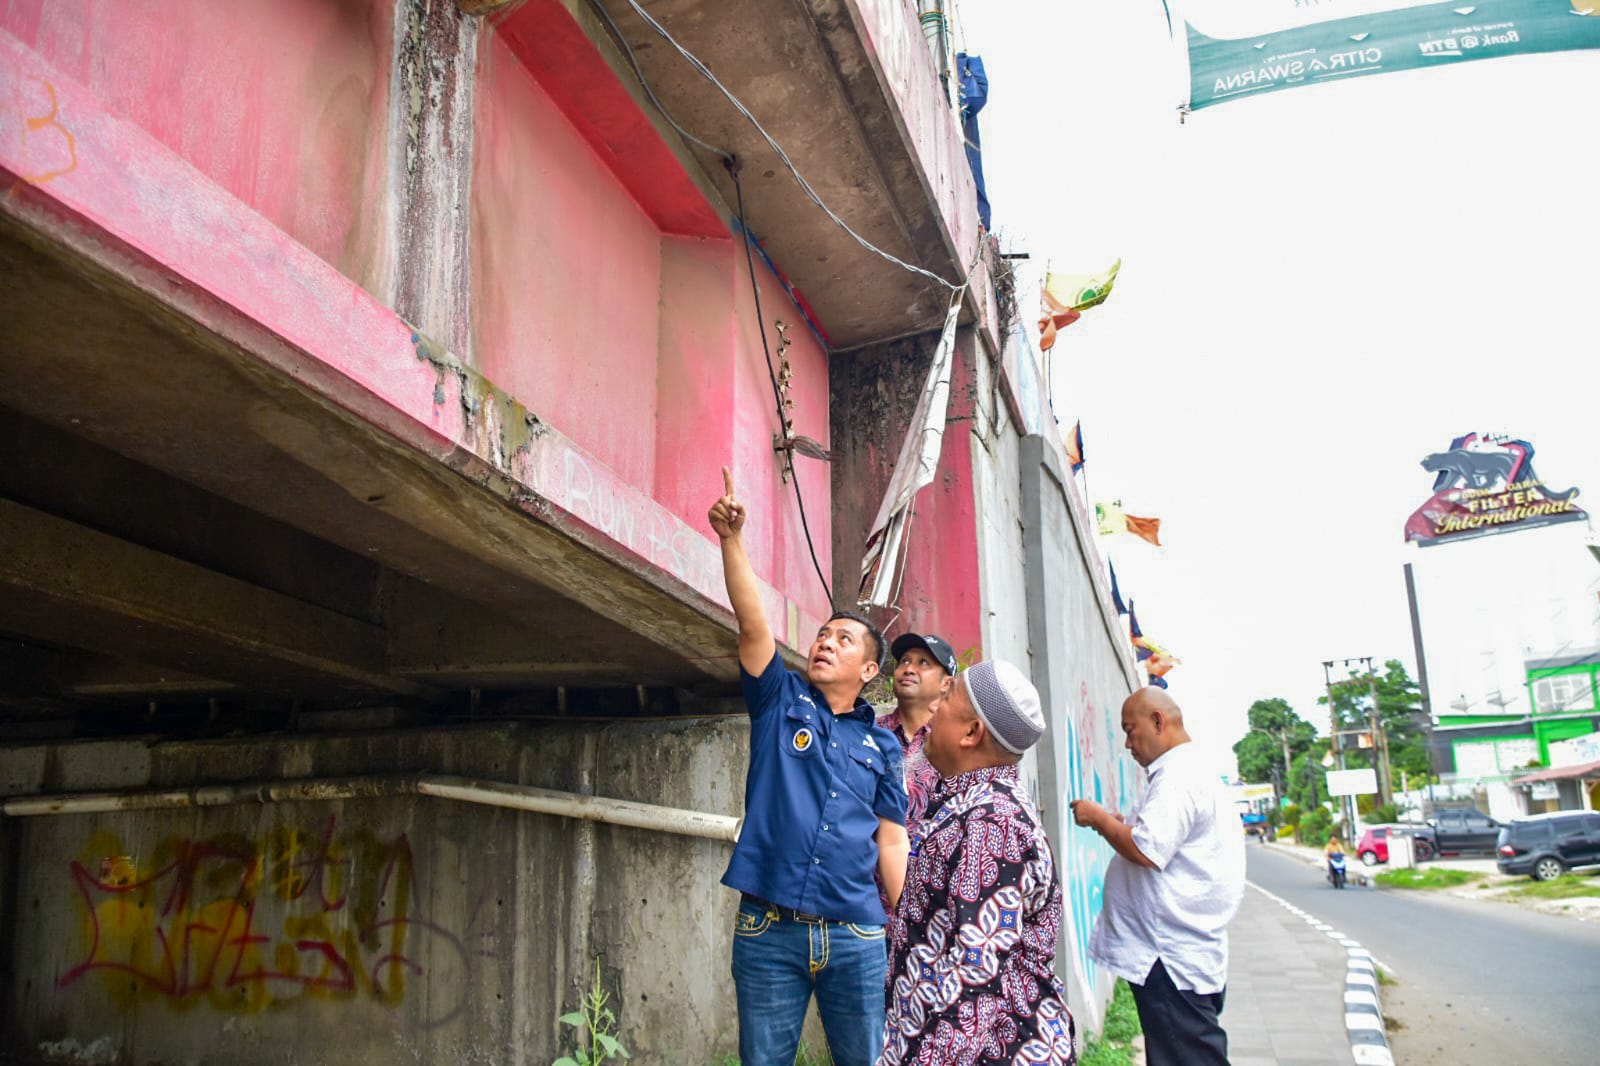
x=78, y=587
x=212, y=412
x=30, y=674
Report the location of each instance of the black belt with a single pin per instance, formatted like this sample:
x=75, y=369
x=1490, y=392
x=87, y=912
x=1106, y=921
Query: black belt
x=788, y=914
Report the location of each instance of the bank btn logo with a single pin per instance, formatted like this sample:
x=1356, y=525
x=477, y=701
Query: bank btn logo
x=802, y=739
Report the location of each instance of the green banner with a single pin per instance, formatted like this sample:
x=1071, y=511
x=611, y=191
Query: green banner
x=1226, y=68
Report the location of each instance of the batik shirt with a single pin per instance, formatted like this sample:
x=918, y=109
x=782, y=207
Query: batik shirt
x=921, y=777
x=972, y=954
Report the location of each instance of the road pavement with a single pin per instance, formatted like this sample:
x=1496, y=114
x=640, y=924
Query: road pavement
x=1285, y=1001
x=1478, y=981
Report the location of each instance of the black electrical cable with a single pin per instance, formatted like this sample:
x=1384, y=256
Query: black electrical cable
x=732, y=166
x=638, y=72
x=772, y=374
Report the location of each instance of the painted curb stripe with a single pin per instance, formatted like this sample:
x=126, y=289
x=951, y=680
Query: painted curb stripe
x=1363, y=1011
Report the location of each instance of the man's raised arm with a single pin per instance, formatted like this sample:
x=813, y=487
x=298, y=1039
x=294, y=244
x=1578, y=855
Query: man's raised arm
x=756, y=644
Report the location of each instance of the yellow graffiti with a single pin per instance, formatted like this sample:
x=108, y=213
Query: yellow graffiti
x=40, y=124
x=242, y=925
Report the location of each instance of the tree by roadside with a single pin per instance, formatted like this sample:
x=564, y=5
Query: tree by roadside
x=1260, y=752
x=1399, y=711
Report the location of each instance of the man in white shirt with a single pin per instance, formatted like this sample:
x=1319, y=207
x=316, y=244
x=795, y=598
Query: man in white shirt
x=1171, y=889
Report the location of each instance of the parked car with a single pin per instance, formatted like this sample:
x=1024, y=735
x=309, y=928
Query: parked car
x=1373, y=847
x=1460, y=829
x=1545, y=846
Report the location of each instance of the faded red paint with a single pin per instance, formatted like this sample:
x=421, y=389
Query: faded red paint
x=552, y=47
x=243, y=277
x=644, y=342
x=280, y=102
x=941, y=592
x=567, y=272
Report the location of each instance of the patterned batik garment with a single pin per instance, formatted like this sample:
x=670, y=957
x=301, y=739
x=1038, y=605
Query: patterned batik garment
x=921, y=777
x=971, y=957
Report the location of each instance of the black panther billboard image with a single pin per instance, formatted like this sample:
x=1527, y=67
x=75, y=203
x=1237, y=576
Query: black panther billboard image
x=1484, y=485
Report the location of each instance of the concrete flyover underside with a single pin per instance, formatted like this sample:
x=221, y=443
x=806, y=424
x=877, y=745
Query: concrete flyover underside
x=375, y=516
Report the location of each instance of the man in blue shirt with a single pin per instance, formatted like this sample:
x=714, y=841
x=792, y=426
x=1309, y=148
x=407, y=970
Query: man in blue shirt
x=825, y=808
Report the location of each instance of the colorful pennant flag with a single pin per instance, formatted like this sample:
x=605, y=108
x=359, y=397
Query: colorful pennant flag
x=1158, y=682
x=1116, y=594
x=1066, y=296
x=1158, y=661
x=1075, y=447
x=1113, y=519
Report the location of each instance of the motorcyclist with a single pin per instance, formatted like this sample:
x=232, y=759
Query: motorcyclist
x=1334, y=850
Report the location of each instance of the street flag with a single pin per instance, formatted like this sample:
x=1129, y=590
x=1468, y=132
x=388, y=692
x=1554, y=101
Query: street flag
x=1116, y=594
x=1075, y=447
x=1159, y=682
x=1158, y=661
x=1111, y=518
x=1066, y=296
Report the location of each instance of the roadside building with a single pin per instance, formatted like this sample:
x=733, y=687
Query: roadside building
x=1570, y=783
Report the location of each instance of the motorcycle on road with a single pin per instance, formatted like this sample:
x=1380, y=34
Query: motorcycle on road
x=1336, y=875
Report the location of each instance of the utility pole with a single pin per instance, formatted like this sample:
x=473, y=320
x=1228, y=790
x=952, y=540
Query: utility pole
x=1422, y=682
x=1283, y=735
x=1338, y=748
x=1380, y=738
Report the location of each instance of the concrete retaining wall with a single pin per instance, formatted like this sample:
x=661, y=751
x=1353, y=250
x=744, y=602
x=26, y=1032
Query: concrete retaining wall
x=374, y=930
x=1083, y=665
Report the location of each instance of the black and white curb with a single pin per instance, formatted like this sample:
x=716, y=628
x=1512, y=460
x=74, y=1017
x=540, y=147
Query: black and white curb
x=1363, y=1013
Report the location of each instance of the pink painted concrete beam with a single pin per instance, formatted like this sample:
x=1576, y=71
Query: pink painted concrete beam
x=87, y=177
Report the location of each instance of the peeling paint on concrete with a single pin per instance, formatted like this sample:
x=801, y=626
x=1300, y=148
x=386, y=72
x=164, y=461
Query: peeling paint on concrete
x=431, y=153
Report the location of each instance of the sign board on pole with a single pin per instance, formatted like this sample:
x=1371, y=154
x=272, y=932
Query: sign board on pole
x=1363, y=782
x=1484, y=485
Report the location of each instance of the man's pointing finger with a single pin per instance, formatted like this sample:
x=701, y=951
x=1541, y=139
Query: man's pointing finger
x=727, y=481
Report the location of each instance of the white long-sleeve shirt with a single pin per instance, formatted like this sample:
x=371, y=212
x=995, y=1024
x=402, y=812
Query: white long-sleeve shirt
x=1178, y=911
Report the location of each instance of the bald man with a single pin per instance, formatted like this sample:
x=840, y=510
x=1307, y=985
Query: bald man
x=1172, y=887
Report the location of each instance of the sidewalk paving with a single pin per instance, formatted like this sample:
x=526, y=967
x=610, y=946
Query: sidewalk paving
x=1286, y=984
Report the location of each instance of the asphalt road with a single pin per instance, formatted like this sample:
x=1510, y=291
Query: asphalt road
x=1479, y=981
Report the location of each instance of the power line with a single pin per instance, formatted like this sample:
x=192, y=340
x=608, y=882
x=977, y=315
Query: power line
x=783, y=157
x=772, y=376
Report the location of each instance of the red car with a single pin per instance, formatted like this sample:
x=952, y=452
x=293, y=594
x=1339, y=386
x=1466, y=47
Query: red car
x=1373, y=847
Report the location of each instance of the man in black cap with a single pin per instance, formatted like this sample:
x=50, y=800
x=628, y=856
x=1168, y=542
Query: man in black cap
x=924, y=668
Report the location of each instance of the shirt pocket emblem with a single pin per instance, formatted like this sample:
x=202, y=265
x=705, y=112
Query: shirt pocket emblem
x=803, y=739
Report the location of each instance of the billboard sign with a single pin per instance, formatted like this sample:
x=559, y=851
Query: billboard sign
x=1485, y=485
x=1363, y=782
x=1243, y=48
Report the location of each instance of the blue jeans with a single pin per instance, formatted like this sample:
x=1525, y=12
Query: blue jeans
x=778, y=963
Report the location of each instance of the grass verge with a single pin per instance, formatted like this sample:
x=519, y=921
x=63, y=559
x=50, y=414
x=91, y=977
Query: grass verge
x=1432, y=877
x=1568, y=886
x=1113, y=1047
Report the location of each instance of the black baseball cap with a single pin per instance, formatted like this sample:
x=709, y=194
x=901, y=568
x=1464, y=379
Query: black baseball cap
x=942, y=652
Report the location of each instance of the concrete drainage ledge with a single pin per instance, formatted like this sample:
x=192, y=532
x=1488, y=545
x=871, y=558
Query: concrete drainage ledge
x=1363, y=1010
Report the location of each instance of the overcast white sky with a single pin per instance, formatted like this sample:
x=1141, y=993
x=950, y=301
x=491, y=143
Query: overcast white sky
x=1319, y=287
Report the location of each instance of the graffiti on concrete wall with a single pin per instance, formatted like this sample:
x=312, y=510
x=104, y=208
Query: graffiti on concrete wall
x=239, y=925
x=30, y=120
x=1099, y=770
